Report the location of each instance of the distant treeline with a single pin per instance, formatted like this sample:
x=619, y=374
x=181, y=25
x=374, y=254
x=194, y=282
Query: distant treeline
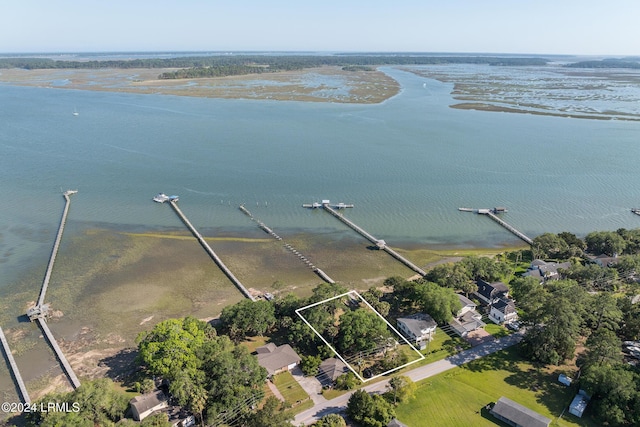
x=608, y=63
x=216, y=66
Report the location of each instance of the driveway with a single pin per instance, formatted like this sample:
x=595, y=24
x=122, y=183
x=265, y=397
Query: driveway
x=310, y=384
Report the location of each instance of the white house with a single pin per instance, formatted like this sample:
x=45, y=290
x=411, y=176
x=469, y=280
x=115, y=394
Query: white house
x=503, y=311
x=418, y=328
x=467, y=319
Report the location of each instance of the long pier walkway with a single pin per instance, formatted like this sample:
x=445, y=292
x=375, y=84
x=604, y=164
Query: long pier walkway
x=379, y=243
x=211, y=253
x=491, y=213
x=56, y=245
x=324, y=276
x=63, y=360
x=40, y=310
x=14, y=369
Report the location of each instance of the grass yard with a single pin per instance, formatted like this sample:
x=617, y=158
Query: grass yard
x=458, y=397
x=292, y=392
x=497, y=331
x=440, y=347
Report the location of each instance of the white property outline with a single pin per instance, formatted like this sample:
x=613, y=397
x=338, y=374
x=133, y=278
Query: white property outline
x=422, y=357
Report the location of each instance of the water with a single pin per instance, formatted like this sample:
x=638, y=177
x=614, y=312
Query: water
x=407, y=164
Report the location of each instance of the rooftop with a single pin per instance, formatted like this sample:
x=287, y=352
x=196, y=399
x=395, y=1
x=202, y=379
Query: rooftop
x=507, y=409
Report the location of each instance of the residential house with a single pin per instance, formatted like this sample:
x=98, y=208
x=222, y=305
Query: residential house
x=503, y=311
x=517, y=415
x=579, y=404
x=330, y=369
x=604, y=260
x=418, y=328
x=488, y=293
x=467, y=319
x=543, y=270
x=146, y=404
x=277, y=359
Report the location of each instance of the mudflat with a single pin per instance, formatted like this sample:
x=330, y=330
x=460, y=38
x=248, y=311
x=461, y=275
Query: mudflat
x=322, y=84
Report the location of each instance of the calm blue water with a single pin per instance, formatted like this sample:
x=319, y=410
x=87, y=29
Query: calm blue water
x=406, y=164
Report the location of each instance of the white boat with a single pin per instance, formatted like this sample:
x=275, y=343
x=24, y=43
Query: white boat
x=161, y=198
x=75, y=112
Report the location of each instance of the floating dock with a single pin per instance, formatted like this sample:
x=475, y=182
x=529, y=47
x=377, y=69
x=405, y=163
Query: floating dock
x=324, y=276
x=210, y=251
x=380, y=244
x=14, y=369
x=491, y=213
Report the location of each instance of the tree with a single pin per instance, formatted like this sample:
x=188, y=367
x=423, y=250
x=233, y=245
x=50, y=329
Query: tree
x=485, y=268
x=248, y=318
x=331, y=420
x=373, y=296
x=402, y=389
x=98, y=403
x=605, y=242
x=452, y=275
x=310, y=365
x=549, y=245
x=269, y=415
x=360, y=330
x=441, y=303
x=614, y=393
x=603, y=346
x=172, y=345
x=347, y=381
x=369, y=411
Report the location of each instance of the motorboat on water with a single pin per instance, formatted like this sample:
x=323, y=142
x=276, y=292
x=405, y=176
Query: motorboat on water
x=161, y=198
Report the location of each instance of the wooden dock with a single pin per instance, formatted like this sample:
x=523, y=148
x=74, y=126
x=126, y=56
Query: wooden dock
x=211, y=253
x=324, y=276
x=381, y=244
x=14, y=369
x=56, y=245
x=59, y=354
x=491, y=213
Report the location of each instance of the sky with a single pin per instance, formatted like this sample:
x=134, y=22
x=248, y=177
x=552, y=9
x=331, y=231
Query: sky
x=581, y=27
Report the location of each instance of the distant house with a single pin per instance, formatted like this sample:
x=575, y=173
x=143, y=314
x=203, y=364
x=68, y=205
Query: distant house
x=330, y=369
x=489, y=293
x=418, y=328
x=277, y=359
x=604, y=260
x=543, y=270
x=579, y=404
x=146, y=404
x=467, y=319
x=517, y=415
x=503, y=311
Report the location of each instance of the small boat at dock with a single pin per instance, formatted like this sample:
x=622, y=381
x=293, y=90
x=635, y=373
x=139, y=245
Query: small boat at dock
x=161, y=198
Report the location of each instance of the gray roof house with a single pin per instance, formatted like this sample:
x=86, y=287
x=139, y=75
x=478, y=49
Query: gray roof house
x=330, y=369
x=418, y=328
x=489, y=293
x=146, y=404
x=543, y=270
x=517, y=415
x=277, y=359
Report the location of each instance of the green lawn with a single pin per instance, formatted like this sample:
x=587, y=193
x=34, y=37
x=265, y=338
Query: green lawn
x=497, y=331
x=292, y=392
x=458, y=397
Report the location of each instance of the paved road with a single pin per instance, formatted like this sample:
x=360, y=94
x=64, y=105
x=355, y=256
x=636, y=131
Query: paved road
x=339, y=404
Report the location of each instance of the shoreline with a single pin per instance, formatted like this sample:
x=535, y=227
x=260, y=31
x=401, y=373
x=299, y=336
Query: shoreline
x=109, y=285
